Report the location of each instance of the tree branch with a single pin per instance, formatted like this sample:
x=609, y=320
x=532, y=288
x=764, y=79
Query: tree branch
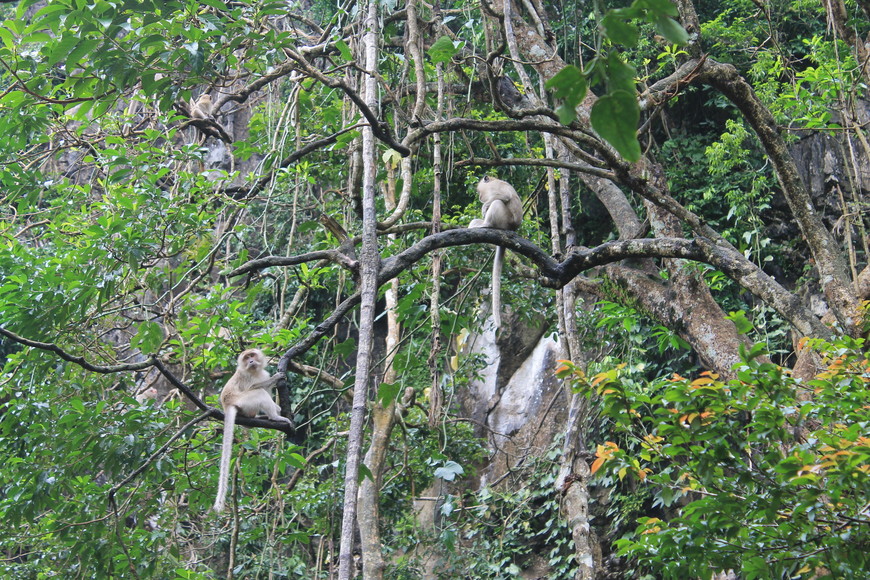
x=79, y=360
x=828, y=259
x=558, y=274
x=380, y=129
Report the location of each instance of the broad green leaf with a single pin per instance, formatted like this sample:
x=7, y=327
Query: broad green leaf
x=6, y=37
x=62, y=48
x=148, y=337
x=449, y=471
x=216, y=4
x=620, y=75
x=37, y=37
x=387, y=393
x=569, y=85
x=84, y=46
x=740, y=321
x=443, y=50
x=77, y=405
x=296, y=460
x=619, y=30
x=344, y=50
x=671, y=29
x=658, y=7
x=615, y=118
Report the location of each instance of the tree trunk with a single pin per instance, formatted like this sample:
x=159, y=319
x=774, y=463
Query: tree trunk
x=369, y=264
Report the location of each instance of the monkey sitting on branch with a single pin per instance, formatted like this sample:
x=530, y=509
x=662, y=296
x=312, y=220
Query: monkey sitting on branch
x=246, y=394
x=503, y=210
x=201, y=114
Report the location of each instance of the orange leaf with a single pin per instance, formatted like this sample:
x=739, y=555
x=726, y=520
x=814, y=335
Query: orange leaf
x=596, y=465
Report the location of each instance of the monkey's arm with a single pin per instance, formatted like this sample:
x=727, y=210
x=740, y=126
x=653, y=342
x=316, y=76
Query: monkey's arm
x=266, y=385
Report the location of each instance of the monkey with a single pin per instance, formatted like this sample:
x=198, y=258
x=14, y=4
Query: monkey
x=245, y=393
x=503, y=210
x=149, y=394
x=203, y=108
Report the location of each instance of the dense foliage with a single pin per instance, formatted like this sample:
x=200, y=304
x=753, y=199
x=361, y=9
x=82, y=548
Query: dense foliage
x=676, y=163
x=762, y=473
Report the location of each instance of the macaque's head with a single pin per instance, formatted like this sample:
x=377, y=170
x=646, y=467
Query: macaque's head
x=252, y=360
x=489, y=187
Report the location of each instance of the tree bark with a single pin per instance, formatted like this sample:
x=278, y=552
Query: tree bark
x=369, y=265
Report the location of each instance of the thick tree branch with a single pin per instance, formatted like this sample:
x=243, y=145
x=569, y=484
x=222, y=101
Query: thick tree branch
x=217, y=413
x=558, y=274
x=828, y=258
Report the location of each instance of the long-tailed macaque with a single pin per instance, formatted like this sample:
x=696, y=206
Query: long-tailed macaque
x=148, y=394
x=245, y=393
x=202, y=108
x=502, y=209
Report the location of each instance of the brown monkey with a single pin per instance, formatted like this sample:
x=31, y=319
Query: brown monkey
x=203, y=108
x=503, y=210
x=245, y=393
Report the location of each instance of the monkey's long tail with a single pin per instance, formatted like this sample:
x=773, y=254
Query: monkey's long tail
x=226, y=452
x=496, y=286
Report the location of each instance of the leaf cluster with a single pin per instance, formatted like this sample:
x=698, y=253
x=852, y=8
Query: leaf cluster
x=763, y=473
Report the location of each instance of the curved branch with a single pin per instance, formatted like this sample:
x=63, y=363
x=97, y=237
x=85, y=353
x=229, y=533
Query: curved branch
x=380, y=129
x=460, y=123
x=578, y=167
x=335, y=256
x=242, y=95
x=828, y=258
x=183, y=389
x=319, y=331
x=79, y=360
x=558, y=274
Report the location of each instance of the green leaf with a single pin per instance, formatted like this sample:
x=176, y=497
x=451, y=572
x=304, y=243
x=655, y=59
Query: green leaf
x=443, y=49
x=671, y=29
x=344, y=50
x=216, y=4
x=37, y=37
x=296, y=460
x=77, y=405
x=615, y=118
x=569, y=85
x=387, y=393
x=6, y=37
x=83, y=47
x=148, y=338
x=658, y=7
x=618, y=29
x=740, y=321
x=449, y=471
x=619, y=74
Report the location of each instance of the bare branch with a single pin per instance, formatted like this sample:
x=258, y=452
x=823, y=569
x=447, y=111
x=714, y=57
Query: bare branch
x=335, y=256
x=380, y=129
x=79, y=360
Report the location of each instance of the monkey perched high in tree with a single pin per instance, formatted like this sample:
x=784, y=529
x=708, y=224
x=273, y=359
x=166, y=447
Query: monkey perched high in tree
x=245, y=393
x=503, y=210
